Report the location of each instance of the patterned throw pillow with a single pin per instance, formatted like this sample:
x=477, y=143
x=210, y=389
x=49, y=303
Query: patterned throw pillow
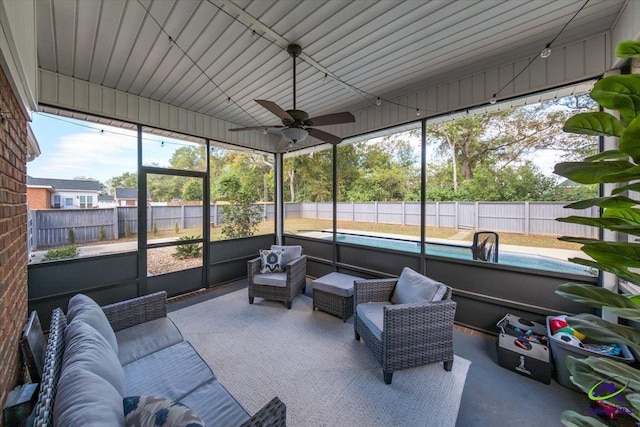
x=143, y=411
x=271, y=261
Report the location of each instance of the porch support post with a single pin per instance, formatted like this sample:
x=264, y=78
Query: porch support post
x=142, y=221
x=423, y=190
x=279, y=199
x=334, y=194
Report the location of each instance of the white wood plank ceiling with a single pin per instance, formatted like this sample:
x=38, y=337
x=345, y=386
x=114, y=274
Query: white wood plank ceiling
x=195, y=54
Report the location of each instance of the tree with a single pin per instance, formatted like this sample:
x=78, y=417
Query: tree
x=126, y=180
x=189, y=158
x=192, y=190
x=503, y=138
x=240, y=218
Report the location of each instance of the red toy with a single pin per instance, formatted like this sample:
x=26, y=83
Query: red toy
x=557, y=323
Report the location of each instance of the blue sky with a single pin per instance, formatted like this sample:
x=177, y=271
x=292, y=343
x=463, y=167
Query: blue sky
x=73, y=148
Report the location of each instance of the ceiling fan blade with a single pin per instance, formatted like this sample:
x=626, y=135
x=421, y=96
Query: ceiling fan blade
x=275, y=109
x=332, y=119
x=255, y=128
x=324, y=136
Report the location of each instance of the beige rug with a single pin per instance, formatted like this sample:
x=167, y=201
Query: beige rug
x=310, y=360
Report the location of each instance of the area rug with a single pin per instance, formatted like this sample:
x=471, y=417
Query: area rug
x=311, y=361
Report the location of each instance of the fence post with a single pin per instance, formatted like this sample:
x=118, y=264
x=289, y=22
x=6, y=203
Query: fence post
x=404, y=222
x=114, y=227
x=527, y=217
x=437, y=214
x=353, y=211
x=183, y=220
x=375, y=204
x=34, y=229
x=455, y=216
x=477, y=218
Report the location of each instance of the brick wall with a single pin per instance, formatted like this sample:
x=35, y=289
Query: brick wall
x=38, y=198
x=13, y=237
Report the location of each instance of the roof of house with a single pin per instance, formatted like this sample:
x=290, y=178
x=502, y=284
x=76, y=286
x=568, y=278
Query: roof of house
x=103, y=198
x=129, y=193
x=63, y=184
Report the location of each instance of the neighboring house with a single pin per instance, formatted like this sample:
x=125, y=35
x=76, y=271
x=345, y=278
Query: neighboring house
x=106, y=201
x=48, y=193
x=129, y=197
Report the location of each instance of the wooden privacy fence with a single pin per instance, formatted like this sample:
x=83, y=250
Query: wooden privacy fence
x=51, y=227
x=508, y=217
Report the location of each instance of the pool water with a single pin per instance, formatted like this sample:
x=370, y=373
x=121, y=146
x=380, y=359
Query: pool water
x=464, y=252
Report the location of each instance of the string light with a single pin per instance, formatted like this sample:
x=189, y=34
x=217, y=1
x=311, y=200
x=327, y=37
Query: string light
x=228, y=100
x=324, y=79
x=378, y=101
x=493, y=99
x=161, y=143
x=546, y=52
x=417, y=111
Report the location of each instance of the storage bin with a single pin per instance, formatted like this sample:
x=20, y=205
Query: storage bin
x=560, y=350
x=534, y=362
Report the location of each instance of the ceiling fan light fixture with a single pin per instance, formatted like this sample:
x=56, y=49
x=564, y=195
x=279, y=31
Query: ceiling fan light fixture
x=294, y=134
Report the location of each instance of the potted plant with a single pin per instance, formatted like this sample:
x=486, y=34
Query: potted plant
x=620, y=93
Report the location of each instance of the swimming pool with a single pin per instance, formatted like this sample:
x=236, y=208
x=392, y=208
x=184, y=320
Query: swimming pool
x=464, y=252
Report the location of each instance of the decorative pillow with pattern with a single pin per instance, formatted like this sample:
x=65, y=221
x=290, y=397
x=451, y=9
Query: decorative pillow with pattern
x=143, y=411
x=271, y=261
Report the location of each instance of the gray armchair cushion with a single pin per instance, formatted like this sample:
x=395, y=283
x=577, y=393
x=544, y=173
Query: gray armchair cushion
x=372, y=315
x=271, y=279
x=289, y=252
x=85, y=399
x=146, y=338
x=413, y=287
x=81, y=307
x=87, y=349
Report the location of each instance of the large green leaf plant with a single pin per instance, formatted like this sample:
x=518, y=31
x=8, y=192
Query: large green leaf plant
x=621, y=213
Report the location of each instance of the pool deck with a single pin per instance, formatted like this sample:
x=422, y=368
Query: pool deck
x=560, y=254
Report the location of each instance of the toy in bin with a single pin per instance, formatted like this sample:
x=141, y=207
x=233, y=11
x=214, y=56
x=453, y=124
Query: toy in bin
x=561, y=330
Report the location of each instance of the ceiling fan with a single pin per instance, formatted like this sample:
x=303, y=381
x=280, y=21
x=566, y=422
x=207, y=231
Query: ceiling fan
x=296, y=124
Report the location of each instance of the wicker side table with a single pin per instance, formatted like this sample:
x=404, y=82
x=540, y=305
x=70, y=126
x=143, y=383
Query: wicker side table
x=333, y=294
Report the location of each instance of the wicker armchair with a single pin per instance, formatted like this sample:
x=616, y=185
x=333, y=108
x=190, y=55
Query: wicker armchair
x=412, y=334
x=278, y=286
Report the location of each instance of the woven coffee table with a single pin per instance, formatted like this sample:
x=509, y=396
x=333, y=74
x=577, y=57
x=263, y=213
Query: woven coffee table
x=333, y=294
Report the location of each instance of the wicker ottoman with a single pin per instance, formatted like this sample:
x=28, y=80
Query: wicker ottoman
x=333, y=293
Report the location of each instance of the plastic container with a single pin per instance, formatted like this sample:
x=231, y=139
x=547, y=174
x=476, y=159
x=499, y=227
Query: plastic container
x=560, y=350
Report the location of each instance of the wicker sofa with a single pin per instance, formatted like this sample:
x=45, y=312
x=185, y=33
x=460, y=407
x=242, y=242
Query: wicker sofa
x=81, y=382
x=403, y=324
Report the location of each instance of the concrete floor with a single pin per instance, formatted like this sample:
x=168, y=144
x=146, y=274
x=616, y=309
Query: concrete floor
x=493, y=396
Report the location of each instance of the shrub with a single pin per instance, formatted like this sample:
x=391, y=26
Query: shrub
x=102, y=234
x=71, y=237
x=64, y=252
x=188, y=250
x=155, y=228
x=177, y=228
x=127, y=233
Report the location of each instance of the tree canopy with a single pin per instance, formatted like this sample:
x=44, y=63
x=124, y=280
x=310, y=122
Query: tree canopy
x=476, y=158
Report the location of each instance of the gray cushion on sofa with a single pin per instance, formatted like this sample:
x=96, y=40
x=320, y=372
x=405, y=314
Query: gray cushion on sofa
x=372, y=314
x=213, y=403
x=271, y=279
x=86, y=348
x=146, y=338
x=81, y=307
x=413, y=287
x=171, y=373
x=78, y=303
x=85, y=399
x=290, y=253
